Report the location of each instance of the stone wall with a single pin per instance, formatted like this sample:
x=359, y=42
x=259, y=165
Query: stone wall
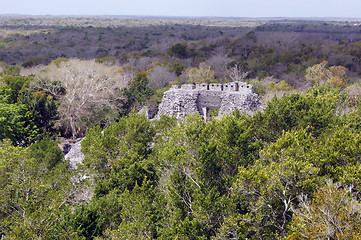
x=189, y=98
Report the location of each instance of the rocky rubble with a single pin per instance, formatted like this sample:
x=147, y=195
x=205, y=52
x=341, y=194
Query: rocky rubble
x=74, y=155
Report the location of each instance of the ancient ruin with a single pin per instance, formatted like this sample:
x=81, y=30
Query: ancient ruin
x=189, y=98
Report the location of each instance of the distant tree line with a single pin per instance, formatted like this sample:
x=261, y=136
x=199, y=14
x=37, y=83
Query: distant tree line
x=281, y=50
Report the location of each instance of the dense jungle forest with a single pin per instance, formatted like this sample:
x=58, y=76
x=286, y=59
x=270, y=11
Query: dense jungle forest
x=291, y=170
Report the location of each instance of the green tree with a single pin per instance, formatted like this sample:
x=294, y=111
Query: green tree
x=320, y=73
x=331, y=213
x=177, y=67
x=44, y=108
x=180, y=50
x=202, y=74
x=315, y=110
x=129, y=140
x=34, y=195
x=137, y=92
x=266, y=191
x=46, y=152
x=118, y=160
x=199, y=163
x=142, y=214
x=11, y=71
x=16, y=123
x=92, y=219
x=17, y=85
x=25, y=115
x=337, y=155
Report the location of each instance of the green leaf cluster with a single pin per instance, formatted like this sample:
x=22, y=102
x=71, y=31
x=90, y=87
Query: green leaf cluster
x=258, y=176
x=25, y=115
x=36, y=191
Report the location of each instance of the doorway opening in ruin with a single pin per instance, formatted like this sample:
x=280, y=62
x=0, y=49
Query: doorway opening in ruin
x=208, y=104
x=209, y=113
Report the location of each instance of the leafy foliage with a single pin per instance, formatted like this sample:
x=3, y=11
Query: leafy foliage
x=25, y=116
x=202, y=74
x=336, y=75
x=331, y=214
x=34, y=194
x=237, y=177
x=315, y=110
x=138, y=91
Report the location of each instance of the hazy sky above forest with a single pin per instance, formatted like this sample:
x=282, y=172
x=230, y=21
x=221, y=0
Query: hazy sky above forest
x=221, y=8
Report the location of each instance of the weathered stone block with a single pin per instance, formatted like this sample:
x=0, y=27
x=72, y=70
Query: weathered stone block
x=188, y=86
x=244, y=87
x=202, y=86
x=216, y=87
x=232, y=86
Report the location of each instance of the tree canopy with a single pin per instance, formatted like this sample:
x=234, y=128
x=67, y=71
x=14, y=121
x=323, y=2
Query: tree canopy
x=289, y=171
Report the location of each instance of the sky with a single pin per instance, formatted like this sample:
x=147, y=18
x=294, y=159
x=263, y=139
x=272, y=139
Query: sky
x=190, y=8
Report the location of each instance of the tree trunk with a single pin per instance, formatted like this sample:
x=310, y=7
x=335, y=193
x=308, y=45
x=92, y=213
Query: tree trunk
x=72, y=126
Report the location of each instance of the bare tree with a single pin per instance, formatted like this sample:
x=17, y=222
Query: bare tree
x=161, y=46
x=235, y=73
x=142, y=63
x=82, y=87
x=160, y=77
x=219, y=62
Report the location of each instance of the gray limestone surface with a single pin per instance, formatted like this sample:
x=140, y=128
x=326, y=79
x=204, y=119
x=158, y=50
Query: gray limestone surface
x=75, y=155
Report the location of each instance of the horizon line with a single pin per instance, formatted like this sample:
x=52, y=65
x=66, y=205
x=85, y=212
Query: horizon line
x=177, y=17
